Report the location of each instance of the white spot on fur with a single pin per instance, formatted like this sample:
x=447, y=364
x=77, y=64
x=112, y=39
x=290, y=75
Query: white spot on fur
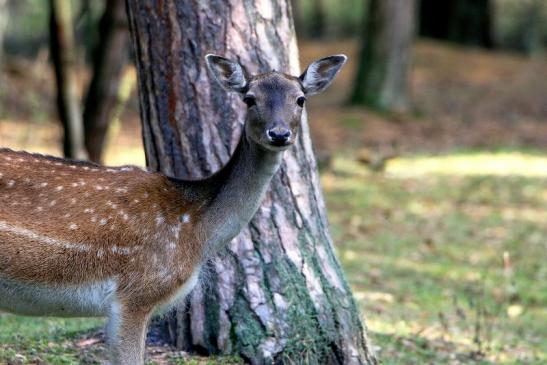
x=103, y=221
x=160, y=220
x=59, y=188
x=11, y=183
x=73, y=226
x=43, y=185
x=186, y=218
x=89, y=210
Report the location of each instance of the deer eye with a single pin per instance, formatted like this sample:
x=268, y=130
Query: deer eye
x=300, y=101
x=249, y=100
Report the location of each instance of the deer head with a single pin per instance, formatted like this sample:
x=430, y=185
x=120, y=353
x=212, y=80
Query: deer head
x=274, y=100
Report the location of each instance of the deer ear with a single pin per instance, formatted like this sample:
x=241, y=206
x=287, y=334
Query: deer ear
x=320, y=73
x=229, y=74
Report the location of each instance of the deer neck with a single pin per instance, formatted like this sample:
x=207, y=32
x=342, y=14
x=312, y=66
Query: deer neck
x=236, y=191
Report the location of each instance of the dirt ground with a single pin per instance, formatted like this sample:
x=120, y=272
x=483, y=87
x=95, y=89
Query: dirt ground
x=462, y=98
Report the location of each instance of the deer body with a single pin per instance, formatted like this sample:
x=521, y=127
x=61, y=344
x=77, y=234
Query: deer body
x=79, y=239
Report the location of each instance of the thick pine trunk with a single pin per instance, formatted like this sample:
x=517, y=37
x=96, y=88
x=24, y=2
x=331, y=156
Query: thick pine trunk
x=382, y=75
x=62, y=54
x=277, y=293
x=109, y=60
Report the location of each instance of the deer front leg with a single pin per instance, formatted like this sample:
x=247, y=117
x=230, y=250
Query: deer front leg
x=126, y=335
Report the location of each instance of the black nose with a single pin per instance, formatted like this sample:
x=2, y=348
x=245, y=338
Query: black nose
x=279, y=135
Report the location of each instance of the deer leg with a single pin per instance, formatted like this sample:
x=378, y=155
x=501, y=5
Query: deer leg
x=126, y=335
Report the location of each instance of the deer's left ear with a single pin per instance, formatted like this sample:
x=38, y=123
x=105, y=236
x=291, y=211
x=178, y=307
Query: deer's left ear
x=229, y=74
x=320, y=73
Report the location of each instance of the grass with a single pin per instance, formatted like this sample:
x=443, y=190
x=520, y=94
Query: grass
x=446, y=255
x=25, y=340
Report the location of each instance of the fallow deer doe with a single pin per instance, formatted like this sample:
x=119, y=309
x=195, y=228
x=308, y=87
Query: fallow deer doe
x=79, y=239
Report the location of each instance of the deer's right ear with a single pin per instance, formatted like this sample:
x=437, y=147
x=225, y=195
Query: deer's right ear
x=229, y=74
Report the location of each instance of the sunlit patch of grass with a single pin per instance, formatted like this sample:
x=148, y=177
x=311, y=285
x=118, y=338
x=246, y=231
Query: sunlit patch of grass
x=511, y=163
x=116, y=156
x=446, y=255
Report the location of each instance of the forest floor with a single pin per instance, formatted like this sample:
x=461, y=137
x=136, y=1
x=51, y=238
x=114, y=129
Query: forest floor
x=444, y=245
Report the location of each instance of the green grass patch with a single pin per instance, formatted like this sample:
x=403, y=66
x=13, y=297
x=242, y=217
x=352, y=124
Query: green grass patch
x=446, y=255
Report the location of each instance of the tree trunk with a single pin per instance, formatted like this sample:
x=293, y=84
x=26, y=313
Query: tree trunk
x=3, y=25
x=277, y=294
x=318, y=21
x=462, y=21
x=108, y=62
x=382, y=76
x=62, y=53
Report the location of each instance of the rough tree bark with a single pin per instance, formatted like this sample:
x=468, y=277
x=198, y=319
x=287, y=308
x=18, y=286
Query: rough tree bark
x=62, y=54
x=382, y=75
x=109, y=59
x=277, y=293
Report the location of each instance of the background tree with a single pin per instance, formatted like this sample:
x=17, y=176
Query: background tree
x=3, y=24
x=278, y=292
x=462, y=21
x=109, y=59
x=382, y=74
x=62, y=54
x=318, y=19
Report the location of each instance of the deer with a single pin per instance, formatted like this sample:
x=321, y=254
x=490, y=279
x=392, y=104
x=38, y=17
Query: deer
x=78, y=239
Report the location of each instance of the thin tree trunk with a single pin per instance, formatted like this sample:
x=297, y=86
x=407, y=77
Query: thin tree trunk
x=3, y=25
x=463, y=21
x=109, y=60
x=278, y=293
x=318, y=21
x=382, y=76
x=62, y=53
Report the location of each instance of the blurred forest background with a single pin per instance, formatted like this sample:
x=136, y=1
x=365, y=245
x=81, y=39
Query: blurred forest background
x=432, y=148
